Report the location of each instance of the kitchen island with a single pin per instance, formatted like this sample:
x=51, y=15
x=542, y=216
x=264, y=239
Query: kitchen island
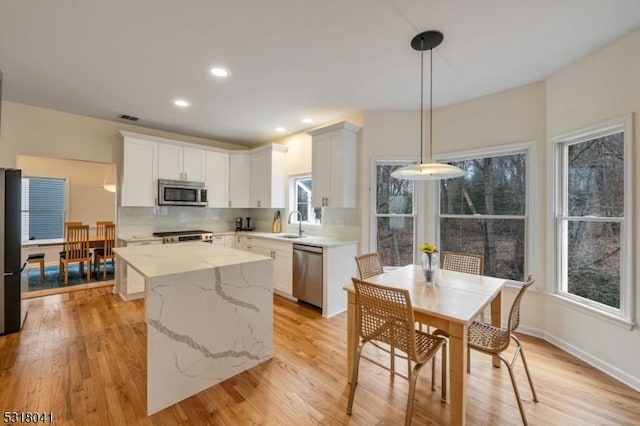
x=209, y=315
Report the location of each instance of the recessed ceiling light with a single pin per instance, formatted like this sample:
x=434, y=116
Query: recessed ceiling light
x=307, y=120
x=280, y=129
x=181, y=103
x=220, y=72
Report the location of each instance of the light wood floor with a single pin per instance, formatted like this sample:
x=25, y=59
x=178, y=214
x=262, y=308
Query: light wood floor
x=81, y=355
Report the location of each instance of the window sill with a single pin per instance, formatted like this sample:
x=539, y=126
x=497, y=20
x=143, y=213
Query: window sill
x=595, y=313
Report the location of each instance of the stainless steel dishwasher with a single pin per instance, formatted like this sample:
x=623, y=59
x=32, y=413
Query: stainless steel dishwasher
x=307, y=274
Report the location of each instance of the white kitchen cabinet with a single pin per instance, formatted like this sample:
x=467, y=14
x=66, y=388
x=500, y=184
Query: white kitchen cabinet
x=239, y=179
x=267, y=176
x=229, y=241
x=138, y=186
x=178, y=162
x=282, y=254
x=334, y=165
x=217, y=179
x=223, y=241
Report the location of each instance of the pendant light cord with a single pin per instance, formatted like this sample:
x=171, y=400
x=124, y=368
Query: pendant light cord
x=421, y=99
x=430, y=104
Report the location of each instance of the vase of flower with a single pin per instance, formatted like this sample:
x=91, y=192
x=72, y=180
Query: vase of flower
x=430, y=262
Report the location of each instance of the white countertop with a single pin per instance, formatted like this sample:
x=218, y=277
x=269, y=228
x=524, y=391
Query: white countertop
x=139, y=238
x=157, y=260
x=310, y=239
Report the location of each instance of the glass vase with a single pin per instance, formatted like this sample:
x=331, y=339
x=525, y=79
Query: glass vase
x=430, y=264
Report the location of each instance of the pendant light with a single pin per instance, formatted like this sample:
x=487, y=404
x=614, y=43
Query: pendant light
x=427, y=170
x=111, y=187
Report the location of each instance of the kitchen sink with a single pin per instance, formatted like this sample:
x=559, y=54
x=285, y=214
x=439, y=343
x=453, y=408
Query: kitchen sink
x=290, y=236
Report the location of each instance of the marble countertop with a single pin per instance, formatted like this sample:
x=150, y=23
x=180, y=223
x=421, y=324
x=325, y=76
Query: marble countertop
x=310, y=239
x=158, y=260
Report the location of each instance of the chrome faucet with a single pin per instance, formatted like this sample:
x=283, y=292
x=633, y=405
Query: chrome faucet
x=300, y=231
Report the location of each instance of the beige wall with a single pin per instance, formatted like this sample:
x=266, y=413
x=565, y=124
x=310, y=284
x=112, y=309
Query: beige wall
x=28, y=130
x=600, y=87
x=87, y=200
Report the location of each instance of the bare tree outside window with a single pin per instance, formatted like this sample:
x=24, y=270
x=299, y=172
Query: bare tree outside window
x=394, y=216
x=591, y=225
x=484, y=212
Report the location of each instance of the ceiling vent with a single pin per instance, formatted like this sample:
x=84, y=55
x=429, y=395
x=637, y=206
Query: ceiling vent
x=128, y=117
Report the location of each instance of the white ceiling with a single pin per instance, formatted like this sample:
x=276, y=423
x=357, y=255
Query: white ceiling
x=289, y=58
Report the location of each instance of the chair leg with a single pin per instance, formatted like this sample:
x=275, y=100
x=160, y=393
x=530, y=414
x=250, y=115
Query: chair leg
x=354, y=377
x=468, y=359
x=392, y=361
x=413, y=377
x=444, y=372
x=104, y=268
x=515, y=390
x=41, y=270
x=526, y=368
x=66, y=273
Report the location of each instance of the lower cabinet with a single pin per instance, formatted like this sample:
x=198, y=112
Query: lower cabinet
x=282, y=254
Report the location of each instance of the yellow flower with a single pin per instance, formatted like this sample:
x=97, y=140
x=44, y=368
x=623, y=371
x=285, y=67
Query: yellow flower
x=427, y=248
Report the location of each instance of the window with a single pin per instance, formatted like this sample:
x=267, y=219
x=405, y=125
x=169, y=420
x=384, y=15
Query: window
x=394, y=215
x=42, y=208
x=300, y=200
x=485, y=211
x=592, y=217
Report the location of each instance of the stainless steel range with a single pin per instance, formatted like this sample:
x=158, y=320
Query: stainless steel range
x=185, y=236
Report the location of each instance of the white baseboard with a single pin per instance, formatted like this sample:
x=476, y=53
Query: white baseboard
x=597, y=363
x=605, y=367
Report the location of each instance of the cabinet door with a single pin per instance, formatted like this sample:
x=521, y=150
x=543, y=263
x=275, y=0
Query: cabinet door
x=169, y=161
x=260, y=178
x=194, y=164
x=217, y=179
x=239, y=180
x=229, y=241
x=283, y=272
x=139, y=181
x=320, y=169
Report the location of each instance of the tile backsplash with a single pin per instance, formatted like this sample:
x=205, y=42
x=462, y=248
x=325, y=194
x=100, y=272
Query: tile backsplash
x=339, y=223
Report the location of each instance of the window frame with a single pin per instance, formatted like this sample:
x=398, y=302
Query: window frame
x=559, y=219
x=292, y=204
x=530, y=215
x=418, y=215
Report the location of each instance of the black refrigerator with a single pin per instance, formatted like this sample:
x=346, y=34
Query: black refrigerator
x=11, y=313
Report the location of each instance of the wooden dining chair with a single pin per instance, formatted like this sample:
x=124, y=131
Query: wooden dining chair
x=100, y=227
x=492, y=340
x=369, y=264
x=463, y=262
x=105, y=252
x=70, y=223
x=76, y=250
x=385, y=314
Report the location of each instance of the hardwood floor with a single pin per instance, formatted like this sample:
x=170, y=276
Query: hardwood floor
x=81, y=356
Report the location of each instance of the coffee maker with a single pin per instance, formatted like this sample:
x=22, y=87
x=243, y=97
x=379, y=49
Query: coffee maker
x=239, y=222
x=247, y=226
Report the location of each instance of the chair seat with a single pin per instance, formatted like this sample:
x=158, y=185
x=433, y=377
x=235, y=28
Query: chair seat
x=487, y=338
x=99, y=250
x=35, y=256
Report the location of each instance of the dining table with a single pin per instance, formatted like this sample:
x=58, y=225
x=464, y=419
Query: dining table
x=450, y=303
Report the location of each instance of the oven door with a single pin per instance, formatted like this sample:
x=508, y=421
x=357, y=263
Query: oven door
x=180, y=193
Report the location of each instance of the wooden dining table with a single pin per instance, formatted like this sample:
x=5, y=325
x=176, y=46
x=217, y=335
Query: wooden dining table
x=450, y=304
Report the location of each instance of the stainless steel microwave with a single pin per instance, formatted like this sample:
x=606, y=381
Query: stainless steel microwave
x=181, y=193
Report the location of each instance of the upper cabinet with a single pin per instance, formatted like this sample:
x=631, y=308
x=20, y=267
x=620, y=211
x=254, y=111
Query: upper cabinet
x=217, y=178
x=178, y=162
x=239, y=179
x=334, y=165
x=267, y=176
x=139, y=172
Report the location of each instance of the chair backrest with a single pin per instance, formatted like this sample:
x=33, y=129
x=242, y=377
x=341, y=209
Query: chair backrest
x=76, y=244
x=514, y=313
x=100, y=225
x=385, y=314
x=68, y=224
x=463, y=262
x=369, y=264
x=109, y=238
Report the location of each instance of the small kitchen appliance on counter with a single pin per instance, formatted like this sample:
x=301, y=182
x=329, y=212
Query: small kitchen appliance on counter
x=247, y=224
x=239, y=222
x=184, y=236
